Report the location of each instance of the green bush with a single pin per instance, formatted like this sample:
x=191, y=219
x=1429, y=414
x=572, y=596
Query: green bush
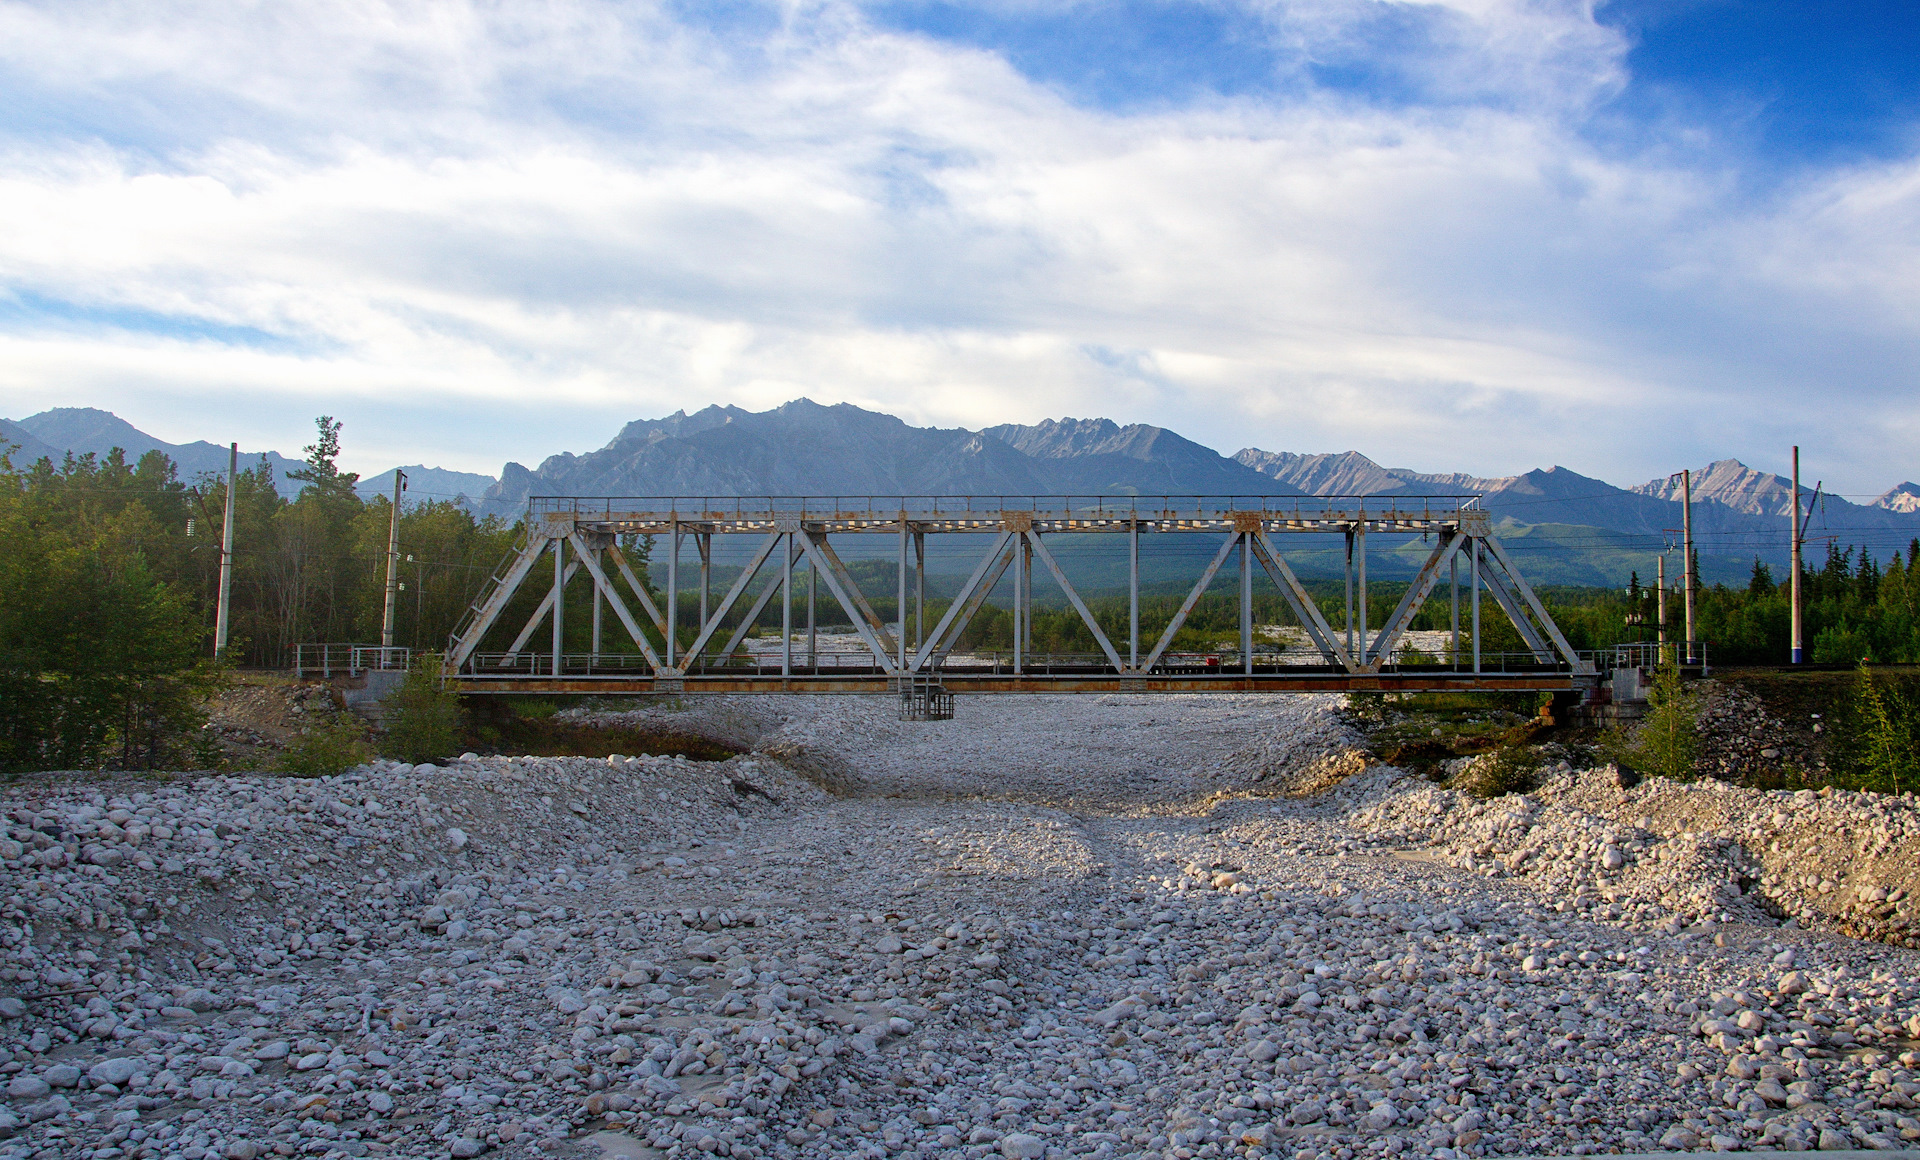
x=1877, y=743
x=326, y=749
x=423, y=716
x=1666, y=742
x=1509, y=769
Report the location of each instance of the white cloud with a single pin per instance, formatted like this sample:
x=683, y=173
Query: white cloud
x=482, y=233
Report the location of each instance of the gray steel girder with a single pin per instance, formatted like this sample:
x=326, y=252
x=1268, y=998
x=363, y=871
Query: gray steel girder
x=612, y=597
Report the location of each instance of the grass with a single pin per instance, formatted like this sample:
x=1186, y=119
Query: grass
x=1422, y=730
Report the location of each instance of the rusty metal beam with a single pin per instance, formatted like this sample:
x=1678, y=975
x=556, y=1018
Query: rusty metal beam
x=886, y=685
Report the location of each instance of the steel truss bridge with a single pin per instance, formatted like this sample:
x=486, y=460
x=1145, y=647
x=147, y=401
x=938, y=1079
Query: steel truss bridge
x=582, y=536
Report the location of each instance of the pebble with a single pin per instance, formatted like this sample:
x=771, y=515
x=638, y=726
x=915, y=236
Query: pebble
x=1125, y=926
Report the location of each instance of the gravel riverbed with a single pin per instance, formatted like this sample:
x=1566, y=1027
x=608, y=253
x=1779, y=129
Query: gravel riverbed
x=1075, y=926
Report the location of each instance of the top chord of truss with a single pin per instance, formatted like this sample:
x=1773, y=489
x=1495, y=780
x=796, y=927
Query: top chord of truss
x=652, y=515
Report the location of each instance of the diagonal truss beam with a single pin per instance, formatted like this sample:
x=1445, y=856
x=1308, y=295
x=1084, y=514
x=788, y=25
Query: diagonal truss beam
x=967, y=602
x=463, y=648
x=931, y=645
x=1416, y=595
x=605, y=587
x=753, y=613
x=639, y=589
x=1079, y=606
x=1509, y=603
x=1304, y=609
x=1193, y=598
x=878, y=640
x=1526, y=592
x=546, y=606
x=740, y=583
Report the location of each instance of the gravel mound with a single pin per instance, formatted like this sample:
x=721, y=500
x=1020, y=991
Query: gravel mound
x=1126, y=926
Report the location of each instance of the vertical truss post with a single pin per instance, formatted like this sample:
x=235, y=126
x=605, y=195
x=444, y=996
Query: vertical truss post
x=813, y=644
x=1020, y=577
x=1348, y=582
x=1246, y=603
x=1476, y=605
x=900, y=597
x=673, y=589
x=704, y=541
x=559, y=597
x=593, y=653
x=786, y=605
x=919, y=588
x=1133, y=592
x=1360, y=551
x=1453, y=582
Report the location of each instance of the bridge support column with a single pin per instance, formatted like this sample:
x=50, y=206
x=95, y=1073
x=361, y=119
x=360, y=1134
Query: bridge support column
x=559, y=598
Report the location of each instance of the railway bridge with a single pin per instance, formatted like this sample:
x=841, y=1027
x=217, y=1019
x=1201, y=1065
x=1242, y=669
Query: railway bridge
x=792, y=560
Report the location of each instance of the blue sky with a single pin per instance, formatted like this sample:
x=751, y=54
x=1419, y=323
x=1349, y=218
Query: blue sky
x=1479, y=235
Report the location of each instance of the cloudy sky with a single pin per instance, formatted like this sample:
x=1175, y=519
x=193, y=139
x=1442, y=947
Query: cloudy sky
x=1479, y=235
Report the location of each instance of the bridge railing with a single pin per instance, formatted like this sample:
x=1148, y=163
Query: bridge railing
x=694, y=509
x=328, y=660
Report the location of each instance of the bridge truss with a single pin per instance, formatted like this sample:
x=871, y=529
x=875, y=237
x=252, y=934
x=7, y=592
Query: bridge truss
x=583, y=536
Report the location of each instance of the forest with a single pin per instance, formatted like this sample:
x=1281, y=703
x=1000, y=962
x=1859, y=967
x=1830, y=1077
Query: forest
x=109, y=575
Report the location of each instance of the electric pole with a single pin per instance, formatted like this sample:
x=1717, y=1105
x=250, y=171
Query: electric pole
x=1660, y=613
x=223, y=607
x=393, y=566
x=1686, y=531
x=1799, y=653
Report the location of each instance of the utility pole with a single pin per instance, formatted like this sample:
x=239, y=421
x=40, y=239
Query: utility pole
x=222, y=616
x=1660, y=611
x=1687, y=578
x=1799, y=653
x=393, y=566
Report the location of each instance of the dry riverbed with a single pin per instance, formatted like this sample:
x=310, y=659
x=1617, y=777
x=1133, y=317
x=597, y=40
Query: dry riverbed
x=1080, y=926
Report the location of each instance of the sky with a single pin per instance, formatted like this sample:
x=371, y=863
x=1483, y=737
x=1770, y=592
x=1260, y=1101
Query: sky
x=1460, y=235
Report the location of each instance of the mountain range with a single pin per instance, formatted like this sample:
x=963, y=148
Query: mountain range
x=85, y=430
x=1578, y=529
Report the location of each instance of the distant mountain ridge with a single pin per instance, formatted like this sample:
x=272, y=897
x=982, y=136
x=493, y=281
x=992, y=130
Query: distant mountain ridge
x=806, y=448
x=87, y=430
x=1577, y=529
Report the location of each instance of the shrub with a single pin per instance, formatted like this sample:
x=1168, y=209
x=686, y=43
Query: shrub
x=1666, y=742
x=423, y=716
x=1509, y=769
x=326, y=749
x=1877, y=745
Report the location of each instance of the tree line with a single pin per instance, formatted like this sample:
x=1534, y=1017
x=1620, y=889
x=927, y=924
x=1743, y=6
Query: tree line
x=109, y=577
